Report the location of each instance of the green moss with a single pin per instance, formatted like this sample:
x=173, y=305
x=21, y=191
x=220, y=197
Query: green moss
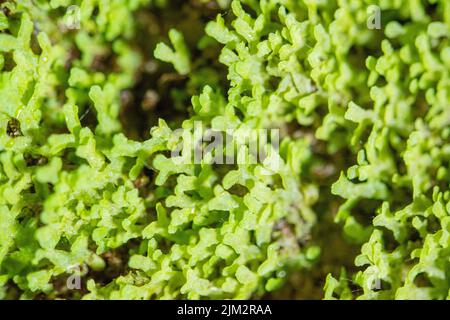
x=89, y=186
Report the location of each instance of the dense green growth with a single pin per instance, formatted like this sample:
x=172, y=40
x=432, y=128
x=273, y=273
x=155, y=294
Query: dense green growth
x=88, y=186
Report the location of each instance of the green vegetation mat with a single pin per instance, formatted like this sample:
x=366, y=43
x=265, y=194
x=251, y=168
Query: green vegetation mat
x=102, y=103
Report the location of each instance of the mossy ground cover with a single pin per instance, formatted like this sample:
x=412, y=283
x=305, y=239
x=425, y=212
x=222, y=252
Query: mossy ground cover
x=355, y=202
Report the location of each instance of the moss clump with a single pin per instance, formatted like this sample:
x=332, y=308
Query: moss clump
x=93, y=93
